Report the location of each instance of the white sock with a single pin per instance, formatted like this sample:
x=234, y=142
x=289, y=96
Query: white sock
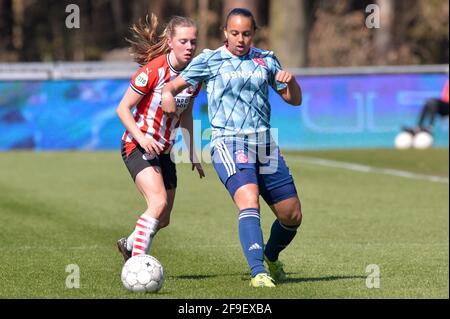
x=146, y=228
x=130, y=240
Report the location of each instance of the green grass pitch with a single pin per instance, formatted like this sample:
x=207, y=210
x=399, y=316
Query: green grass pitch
x=58, y=209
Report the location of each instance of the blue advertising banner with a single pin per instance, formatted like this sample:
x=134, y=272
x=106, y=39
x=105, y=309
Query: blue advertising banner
x=342, y=111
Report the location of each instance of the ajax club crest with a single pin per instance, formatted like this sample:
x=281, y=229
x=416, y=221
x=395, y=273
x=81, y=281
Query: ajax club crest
x=241, y=157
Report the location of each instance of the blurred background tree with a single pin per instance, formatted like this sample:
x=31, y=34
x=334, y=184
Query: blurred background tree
x=302, y=33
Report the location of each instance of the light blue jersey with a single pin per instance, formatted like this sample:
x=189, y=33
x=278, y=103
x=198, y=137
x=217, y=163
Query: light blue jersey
x=237, y=89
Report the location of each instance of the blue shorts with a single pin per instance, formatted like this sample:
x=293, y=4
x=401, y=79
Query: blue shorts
x=240, y=163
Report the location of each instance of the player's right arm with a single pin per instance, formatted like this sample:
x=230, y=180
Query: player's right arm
x=194, y=73
x=129, y=100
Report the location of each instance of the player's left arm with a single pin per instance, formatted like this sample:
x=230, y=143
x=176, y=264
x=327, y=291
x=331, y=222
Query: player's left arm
x=292, y=93
x=187, y=125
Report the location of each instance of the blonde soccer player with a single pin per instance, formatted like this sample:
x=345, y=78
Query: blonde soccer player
x=150, y=133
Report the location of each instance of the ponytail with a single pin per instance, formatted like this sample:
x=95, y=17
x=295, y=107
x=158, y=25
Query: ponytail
x=146, y=44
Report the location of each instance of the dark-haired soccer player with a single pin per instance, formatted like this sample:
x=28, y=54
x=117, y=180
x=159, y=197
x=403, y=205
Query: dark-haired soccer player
x=244, y=154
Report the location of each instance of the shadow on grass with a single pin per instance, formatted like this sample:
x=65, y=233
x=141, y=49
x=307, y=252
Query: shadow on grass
x=189, y=277
x=289, y=280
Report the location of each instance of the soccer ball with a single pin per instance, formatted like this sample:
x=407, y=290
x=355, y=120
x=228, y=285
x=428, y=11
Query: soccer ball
x=142, y=273
x=423, y=140
x=404, y=140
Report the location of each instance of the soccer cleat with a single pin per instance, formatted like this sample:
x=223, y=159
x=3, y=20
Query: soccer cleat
x=122, y=246
x=262, y=280
x=276, y=269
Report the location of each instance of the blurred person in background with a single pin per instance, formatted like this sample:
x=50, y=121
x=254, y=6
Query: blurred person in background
x=432, y=108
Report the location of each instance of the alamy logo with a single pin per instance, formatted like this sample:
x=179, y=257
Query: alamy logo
x=73, y=279
x=373, y=19
x=254, y=246
x=73, y=19
x=373, y=277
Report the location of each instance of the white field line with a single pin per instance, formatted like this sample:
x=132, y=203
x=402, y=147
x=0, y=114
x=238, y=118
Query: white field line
x=367, y=169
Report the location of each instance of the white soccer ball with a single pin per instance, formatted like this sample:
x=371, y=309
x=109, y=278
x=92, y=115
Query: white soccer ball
x=142, y=273
x=423, y=140
x=404, y=140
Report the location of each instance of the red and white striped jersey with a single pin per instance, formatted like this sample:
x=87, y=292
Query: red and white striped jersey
x=148, y=114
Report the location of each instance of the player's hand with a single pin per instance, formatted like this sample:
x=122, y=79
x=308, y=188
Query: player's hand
x=168, y=105
x=199, y=168
x=151, y=146
x=284, y=76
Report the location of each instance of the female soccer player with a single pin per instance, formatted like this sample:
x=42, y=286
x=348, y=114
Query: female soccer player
x=243, y=152
x=149, y=134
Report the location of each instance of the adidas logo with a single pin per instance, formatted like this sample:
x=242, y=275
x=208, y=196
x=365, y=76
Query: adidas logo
x=254, y=246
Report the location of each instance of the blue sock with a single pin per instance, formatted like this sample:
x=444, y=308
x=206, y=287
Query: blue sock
x=250, y=235
x=280, y=237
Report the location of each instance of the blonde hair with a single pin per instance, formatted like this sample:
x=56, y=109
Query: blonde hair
x=146, y=44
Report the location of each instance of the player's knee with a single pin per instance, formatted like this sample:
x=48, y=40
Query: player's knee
x=245, y=196
x=246, y=200
x=294, y=217
x=297, y=217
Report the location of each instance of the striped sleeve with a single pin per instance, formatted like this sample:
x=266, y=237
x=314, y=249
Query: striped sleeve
x=144, y=80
